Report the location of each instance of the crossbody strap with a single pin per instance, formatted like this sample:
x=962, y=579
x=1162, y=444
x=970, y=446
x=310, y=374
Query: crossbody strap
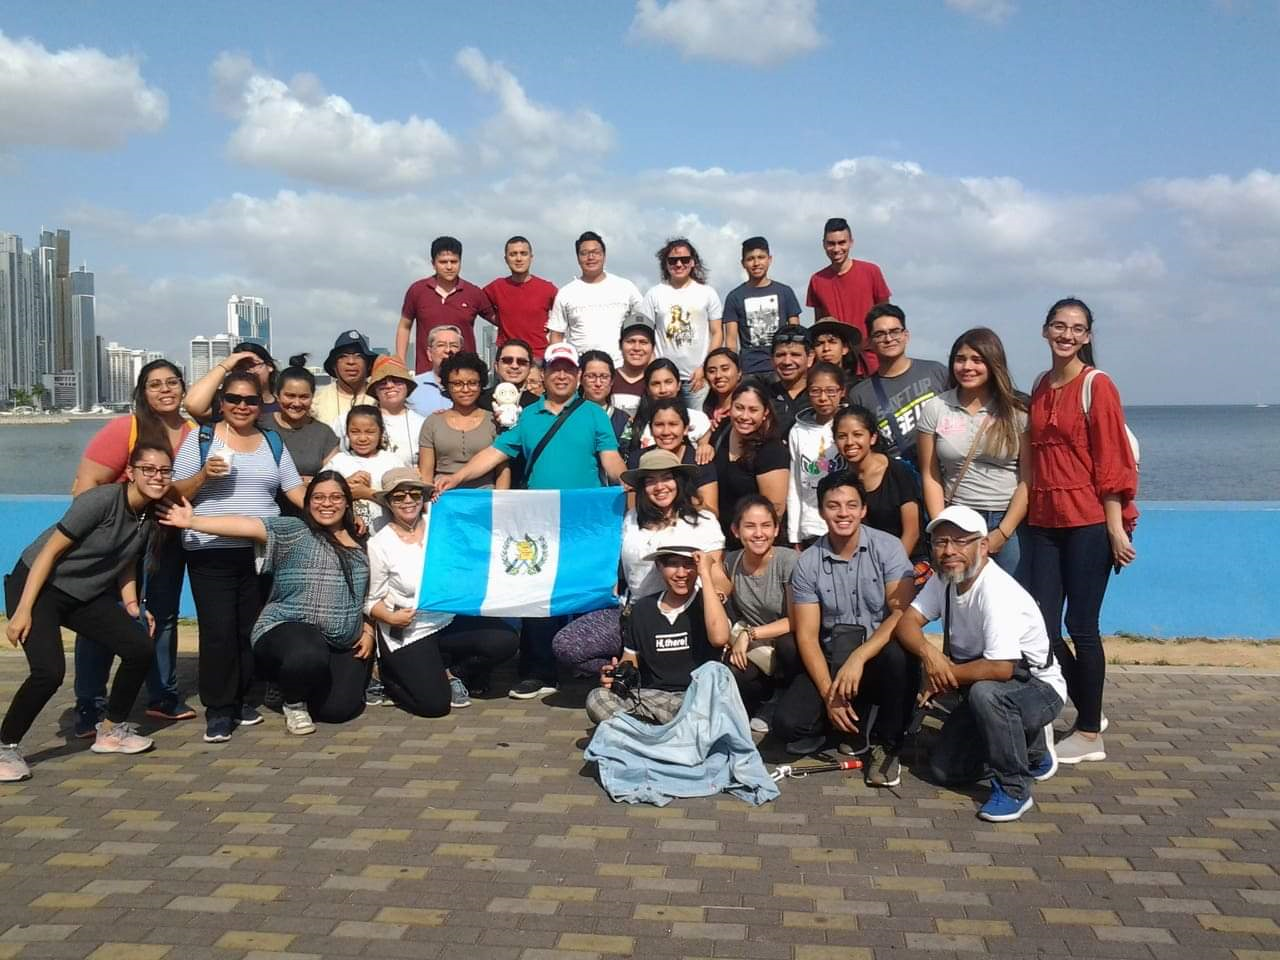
x=882, y=400
x=546, y=437
x=968, y=460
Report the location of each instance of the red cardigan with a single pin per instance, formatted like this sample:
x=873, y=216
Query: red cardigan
x=1079, y=459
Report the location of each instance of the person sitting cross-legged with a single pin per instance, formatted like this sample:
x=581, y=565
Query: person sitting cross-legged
x=667, y=636
x=997, y=654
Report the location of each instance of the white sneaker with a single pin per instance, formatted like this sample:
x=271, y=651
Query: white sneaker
x=12, y=767
x=1077, y=749
x=1047, y=765
x=297, y=720
x=121, y=738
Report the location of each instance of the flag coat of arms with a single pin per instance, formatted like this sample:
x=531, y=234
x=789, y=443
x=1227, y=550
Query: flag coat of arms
x=522, y=553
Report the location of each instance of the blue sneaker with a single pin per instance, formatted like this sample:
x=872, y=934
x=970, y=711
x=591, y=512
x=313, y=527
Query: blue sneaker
x=86, y=721
x=459, y=696
x=248, y=716
x=1047, y=764
x=218, y=729
x=1001, y=808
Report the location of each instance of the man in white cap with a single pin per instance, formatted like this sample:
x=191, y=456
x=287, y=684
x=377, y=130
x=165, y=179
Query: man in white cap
x=997, y=655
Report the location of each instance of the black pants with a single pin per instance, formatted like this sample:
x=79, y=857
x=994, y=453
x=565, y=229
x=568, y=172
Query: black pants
x=229, y=597
x=101, y=618
x=414, y=675
x=755, y=686
x=890, y=680
x=537, y=659
x=297, y=658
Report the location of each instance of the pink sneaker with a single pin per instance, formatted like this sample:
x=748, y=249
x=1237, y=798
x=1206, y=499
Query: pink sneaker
x=121, y=738
x=12, y=767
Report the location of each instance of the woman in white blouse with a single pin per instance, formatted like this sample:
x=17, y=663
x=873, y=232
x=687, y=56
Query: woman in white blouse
x=428, y=662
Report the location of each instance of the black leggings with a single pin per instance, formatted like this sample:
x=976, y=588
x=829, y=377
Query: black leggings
x=228, y=594
x=102, y=619
x=755, y=686
x=414, y=675
x=297, y=658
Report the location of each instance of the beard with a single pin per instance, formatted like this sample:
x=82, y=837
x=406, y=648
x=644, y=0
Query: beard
x=961, y=575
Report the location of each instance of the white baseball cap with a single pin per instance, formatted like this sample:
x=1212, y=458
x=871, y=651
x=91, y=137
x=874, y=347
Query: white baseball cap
x=966, y=518
x=560, y=351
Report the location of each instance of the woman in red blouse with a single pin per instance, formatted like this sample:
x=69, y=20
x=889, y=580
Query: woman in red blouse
x=1081, y=512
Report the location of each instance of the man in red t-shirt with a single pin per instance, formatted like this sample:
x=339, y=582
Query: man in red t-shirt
x=848, y=288
x=522, y=301
x=442, y=299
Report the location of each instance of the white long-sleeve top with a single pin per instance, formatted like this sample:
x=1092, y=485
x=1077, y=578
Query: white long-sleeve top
x=395, y=578
x=813, y=456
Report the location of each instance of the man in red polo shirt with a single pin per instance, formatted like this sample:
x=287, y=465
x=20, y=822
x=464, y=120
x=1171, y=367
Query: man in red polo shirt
x=443, y=299
x=522, y=300
x=848, y=288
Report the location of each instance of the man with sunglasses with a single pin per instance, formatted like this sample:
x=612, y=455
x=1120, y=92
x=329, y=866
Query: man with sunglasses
x=522, y=301
x=513, y=363
x=792, y=357
x=686, y=315
x=847, y=288
x=898, y=390
x=997, y=654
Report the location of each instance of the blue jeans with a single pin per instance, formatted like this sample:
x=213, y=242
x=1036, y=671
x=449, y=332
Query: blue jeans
x=999, y=726
x=1014, y=557
x=1071, y=566
x=536, y=660
x=162, y=596
x=693, y=398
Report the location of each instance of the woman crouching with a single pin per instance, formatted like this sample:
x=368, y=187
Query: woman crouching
x=311, y=639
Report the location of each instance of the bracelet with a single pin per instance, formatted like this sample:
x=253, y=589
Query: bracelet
x=1007, y=536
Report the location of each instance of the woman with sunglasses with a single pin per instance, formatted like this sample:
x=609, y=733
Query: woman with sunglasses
x=81, y=573
x=1081, y=511
x=429, y=662
x=390, y=384
x=156, y=421
x=239, y=474
x=201, y=398
x=752, y=459
x=311, y=639
x=667, y=510
x=686, y=315
x=451, y=437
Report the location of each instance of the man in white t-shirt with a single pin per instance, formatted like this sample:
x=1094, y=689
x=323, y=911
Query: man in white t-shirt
x=997, y=654
x=686, y=315
x=589, y=310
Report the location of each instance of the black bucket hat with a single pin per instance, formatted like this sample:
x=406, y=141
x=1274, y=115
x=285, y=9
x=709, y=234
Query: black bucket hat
x=347, y=342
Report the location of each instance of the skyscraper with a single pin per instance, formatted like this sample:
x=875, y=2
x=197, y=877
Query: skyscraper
x=207, y=351
x=249, y=318
x=84, y=359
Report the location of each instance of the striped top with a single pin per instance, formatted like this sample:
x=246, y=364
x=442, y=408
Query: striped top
x=248, y=491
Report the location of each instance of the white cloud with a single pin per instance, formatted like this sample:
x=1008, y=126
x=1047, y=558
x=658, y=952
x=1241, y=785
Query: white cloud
x=992, y=11
x=527, y=132
x=79, y=98
x=297, y=129
x=753, y=32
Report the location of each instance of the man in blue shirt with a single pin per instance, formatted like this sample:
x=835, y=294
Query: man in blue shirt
x=571, y=460
x=442, y=343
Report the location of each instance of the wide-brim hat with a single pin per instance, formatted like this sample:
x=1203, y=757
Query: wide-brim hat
x=655, y=460
x=346, y=342
x=850, y=334
x=401, y=477
x=390, y=368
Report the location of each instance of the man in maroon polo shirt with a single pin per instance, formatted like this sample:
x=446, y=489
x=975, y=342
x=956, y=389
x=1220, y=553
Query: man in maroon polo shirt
x=848, y=288
x=522, y=301
x=443, y=299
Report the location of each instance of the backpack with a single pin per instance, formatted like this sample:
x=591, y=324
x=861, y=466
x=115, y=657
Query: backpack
x=1086, y=401
x=274, y=441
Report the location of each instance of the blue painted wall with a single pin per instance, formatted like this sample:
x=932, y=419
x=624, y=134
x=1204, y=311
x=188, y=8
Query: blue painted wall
x=1203, y=569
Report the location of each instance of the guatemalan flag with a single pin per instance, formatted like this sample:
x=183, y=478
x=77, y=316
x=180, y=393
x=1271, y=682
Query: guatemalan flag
x=523, y=553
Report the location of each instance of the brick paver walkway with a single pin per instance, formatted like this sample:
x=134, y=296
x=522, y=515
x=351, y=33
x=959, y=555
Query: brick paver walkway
x=483, y=835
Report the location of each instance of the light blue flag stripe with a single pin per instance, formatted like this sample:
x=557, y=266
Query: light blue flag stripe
x=456, y=567
x=591, y=539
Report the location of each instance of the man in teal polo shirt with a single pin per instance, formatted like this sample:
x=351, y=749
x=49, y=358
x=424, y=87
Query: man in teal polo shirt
x=571, y=460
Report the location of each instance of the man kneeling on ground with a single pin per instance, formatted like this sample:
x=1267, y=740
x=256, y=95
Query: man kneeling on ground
x=666, y=637
x=997, y=654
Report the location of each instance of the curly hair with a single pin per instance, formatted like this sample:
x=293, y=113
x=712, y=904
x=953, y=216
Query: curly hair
x=699, y=272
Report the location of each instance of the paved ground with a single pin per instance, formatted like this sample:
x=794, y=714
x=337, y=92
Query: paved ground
x=482, y=835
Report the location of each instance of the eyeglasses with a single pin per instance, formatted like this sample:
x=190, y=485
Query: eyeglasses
x=1058, y=328
x=241, y=399
x=406, y=496
x=882, y=336
x=946, y=543
x=147, y=470
x=173, y=383
x=515, y=361
x=679, y=261
x=598, y=377
x=329, y=498
x=463, y=384
x=825, y=391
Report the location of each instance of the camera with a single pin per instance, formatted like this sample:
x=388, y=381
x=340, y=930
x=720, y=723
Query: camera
x=626, y=680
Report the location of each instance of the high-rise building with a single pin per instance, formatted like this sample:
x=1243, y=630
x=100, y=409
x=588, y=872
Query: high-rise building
x=34, y=303
x=85, y=356
x=207, y=351
x=249, y=319
x=122, y=369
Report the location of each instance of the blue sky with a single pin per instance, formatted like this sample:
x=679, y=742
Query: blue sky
x=992, y=156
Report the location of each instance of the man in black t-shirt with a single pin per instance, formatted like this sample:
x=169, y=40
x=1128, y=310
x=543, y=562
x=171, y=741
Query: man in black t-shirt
x=792, y=358
x=666, y=636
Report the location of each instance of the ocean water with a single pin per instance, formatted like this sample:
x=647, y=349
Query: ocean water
x=1188, y=453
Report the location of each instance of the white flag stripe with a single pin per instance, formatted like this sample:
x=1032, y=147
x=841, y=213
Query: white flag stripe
x=525, y=539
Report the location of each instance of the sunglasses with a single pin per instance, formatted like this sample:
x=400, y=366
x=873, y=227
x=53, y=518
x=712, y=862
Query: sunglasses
x=242, y=399
x=515, y=361
x=791, y=336
x=405, y=496
x=679, y=261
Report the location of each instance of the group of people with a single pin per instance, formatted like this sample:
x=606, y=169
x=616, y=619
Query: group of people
x=801, y=502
